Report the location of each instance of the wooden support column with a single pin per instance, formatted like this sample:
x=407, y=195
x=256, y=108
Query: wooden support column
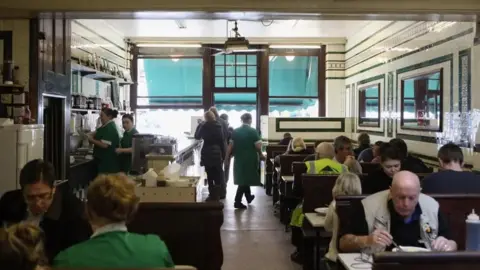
x=322, y=81
x=263, y=80
x=207, y=93
x=134, y=73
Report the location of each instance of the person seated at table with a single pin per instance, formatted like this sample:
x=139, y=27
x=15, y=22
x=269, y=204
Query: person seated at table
x=400, y=216
x=287, y=137
x=314, y=155
x=364, y=143
x=21, y=248
x=346, y=184
x=381, y=179
x=343, y=149
x=372, y=154
x=353, y=166
x=296, y=147
x=324, y=162
x=452, y=178
x=38, y=201
x=111, y=203
x=409, y=162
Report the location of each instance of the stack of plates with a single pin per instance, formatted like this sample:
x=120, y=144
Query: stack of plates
x=321, y=211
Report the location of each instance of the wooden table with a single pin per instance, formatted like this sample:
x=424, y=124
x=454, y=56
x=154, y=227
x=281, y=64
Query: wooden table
x=352, y=261
x=287, y=178
x=318, y=223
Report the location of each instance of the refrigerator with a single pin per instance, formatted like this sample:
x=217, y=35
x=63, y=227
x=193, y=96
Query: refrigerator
x=20, y=144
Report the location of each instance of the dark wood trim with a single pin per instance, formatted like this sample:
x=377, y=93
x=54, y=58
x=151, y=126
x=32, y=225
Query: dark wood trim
x=168, y=57
x=417, y=138
x=180, y=106
x=299, y=97
x=134, y=74
x=207, y=80
x=7, y=37
x=373, y=133
x=308, y=119
x=33, y=72
x=235, y=90
x=296, y=52
x=263, y=79
x=178, y=97
x=322, y=81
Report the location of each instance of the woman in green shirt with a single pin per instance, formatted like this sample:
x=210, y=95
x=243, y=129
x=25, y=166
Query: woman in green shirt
x=111, y=202
x=105, y=140
x=125, y=150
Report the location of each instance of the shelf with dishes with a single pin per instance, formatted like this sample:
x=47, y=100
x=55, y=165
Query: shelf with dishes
x=85, y=111
x=104, y=73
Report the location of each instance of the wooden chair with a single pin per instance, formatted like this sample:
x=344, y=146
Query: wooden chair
x=195, y=243
x=272, y=151
x=426, y=260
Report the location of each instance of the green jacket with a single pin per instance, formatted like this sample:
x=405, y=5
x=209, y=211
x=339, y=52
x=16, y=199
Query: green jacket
x=246, y=164
x=116, y=249
x=125, y=159
x=107, y=158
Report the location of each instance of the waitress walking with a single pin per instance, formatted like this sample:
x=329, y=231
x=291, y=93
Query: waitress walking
x=105, y=140
x=246, y=147
x=125, y=151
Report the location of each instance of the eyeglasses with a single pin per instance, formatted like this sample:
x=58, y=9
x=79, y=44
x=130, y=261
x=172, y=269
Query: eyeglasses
x=32, y=198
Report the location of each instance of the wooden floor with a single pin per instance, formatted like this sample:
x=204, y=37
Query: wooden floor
x=254, y=238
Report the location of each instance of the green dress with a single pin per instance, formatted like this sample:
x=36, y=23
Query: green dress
x=246, y=164
x=125, y=159
x=107, y=158
x=116, y=249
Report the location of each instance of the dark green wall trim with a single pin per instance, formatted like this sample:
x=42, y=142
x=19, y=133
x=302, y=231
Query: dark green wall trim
x=335, y=78
x=305, y=119
x=440, y=42
x=335, y=53
x=369, y=37
x=417, y=138
x=373, y=133
x=462, y=54
x=375, y=78
x=385, y=38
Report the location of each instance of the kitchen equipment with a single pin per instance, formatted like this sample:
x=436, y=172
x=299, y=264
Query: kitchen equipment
x=76, y=142
x=8, y=72
x=141, y=146
x=23, y=143
x=473, y=232
x=82, y=101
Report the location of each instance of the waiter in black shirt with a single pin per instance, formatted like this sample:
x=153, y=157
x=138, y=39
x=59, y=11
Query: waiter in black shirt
x=401, y=215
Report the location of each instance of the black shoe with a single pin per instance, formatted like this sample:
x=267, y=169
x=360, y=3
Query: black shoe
x=240, y=205
x=211, y=199
x=296, y=257
x=250, y=199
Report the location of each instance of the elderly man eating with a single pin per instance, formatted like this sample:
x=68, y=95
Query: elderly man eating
x=402, y=216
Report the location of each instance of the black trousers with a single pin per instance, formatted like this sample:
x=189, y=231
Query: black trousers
x=242, y=190
x=215, y=178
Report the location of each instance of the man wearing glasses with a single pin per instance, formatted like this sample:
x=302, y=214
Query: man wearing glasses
x=59, y=214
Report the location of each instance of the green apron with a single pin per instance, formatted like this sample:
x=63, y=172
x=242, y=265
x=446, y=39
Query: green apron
x=125, y=159
x=320, y=166
x=107, y=158
x=246, y=163
x=116, y=249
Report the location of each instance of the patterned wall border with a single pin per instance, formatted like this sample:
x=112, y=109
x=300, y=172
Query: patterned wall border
x=305, y=119
x=431, y=62
x=464, y=80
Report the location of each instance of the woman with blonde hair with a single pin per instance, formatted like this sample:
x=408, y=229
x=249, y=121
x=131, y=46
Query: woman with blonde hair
x=21, y=247
x=296, y=147
x=111, y=204
x=346, y=184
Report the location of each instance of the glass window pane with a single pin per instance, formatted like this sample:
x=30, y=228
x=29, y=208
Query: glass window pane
x=230, y=82
x=230, y=59
x=241, y=71
x=230, y=71
x=241, y=82
x=219, y=59
x=219, y=81
x=219, y=70
x=298, y=77
x=252, y=71
x=252, y=59
x=293, y=107
x=252, y=82
x=241, y=59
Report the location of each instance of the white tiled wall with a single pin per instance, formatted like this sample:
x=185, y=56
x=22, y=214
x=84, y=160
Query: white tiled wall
x=377, y=52
x=21, y=32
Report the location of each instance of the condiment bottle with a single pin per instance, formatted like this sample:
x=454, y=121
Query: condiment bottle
x=473, y=232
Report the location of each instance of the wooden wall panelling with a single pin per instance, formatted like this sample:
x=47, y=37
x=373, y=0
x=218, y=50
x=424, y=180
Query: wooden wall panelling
x=207, y=94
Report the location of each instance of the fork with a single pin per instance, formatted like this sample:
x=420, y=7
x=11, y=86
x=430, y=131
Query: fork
x=397, y=246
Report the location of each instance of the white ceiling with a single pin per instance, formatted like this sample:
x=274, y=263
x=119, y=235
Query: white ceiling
x=151, y=30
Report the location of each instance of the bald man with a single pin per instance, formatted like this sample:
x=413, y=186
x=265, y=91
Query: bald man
x=324, y=163
x=400, y=215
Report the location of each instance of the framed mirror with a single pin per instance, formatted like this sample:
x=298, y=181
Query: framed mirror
x=369, y=106
x=422, y=101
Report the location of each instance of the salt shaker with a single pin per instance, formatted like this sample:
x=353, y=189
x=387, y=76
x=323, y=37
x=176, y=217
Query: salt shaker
x=473, y=232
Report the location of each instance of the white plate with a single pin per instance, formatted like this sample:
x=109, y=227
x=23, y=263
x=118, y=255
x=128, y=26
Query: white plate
x=321, y=210
x=410, y=249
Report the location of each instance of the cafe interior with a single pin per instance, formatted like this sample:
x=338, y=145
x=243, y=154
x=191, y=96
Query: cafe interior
x=317, y=70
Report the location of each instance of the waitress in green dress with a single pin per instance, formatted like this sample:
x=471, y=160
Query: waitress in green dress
x=246, y=146
x=125, y=150
x=105, y=140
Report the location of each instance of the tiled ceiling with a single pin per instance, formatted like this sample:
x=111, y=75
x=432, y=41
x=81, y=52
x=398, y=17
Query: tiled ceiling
x=160, y=29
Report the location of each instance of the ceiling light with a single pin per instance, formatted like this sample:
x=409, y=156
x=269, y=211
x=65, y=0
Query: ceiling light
x=295, y=46
x=167, y=45
x=290, y=58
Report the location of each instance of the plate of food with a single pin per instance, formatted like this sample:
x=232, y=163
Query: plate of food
x=321, y=210
x=410, y=249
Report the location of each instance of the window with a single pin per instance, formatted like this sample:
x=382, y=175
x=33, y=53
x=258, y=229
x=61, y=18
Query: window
x=422, y=101
x=293, y=107
x=170, y=82
x=235, y=71
x=293, y=76
x=166, y=121
x=369, y=106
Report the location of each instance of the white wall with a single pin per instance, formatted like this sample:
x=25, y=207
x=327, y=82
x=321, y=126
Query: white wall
x=375, y=55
